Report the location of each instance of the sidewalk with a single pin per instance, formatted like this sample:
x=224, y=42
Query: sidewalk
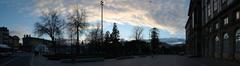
x=215, y=62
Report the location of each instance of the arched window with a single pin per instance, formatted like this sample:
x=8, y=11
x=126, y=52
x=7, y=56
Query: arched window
x=226, y=43
x=217, y=45
x=237, y=41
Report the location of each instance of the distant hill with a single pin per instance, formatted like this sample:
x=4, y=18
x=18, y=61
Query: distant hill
x=173, y=41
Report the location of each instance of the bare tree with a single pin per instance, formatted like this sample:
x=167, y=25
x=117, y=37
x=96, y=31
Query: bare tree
x=71, y=33
x=137, y=33
x=77, y=23
x=94, y=38
x=51, y=25
x=94, y=35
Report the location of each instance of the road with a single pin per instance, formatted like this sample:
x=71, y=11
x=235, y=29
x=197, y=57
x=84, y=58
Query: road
x=19, y=59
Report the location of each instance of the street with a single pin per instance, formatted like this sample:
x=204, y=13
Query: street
x=19, y=59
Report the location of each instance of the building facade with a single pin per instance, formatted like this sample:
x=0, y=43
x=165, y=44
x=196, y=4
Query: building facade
x=213, y=29
x=4, y=35
x=5, y=38
x=30, y=43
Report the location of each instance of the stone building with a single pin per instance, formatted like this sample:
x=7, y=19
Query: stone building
x=4, y=35
x=30, y=43
x=5, y=38
x=213, y=29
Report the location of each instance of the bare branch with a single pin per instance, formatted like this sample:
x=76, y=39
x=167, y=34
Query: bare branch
x=51, y=24
x=137, y=33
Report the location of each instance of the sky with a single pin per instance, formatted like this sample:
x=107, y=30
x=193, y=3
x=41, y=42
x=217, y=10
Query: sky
x=169, y=16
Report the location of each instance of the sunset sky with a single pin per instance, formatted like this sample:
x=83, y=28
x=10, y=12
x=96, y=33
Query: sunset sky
x=169, y=16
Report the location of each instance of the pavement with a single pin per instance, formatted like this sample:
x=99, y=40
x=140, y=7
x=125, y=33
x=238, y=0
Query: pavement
x=19, y=59
x=157, y=60
x=215, y=62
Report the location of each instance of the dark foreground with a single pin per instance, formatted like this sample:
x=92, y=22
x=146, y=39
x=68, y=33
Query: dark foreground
x=158, y=60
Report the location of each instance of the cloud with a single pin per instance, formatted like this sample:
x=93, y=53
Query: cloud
x=19, y=31
x=169, y=15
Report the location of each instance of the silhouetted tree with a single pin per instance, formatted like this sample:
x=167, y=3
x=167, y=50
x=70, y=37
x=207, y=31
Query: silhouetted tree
x=137, y=33
x=71, y=35
x=115, y=34
x=51, y=24
x=137, y=43
x=71, y=32
x=154, y=40
x=94, y=38
x=106, y=44
x=115, y=44
x=107, y=37
x=77, y=21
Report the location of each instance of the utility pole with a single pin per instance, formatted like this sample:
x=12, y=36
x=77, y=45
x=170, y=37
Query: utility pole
x=101, y=3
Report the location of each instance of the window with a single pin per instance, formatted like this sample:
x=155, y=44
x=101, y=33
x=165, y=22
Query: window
x=217, y=45
x=217, y=26
x=237, y=48
x=226, y=47
x=215, y=4
x=237, y=15
x=209, y=10
x=225, y=20
x=206, y=15
x=224, y=4
x=193, y=19
x=210, y=29
x=229, y=2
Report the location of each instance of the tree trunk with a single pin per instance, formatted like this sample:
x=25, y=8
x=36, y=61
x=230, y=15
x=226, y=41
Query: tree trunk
x=77, y=44
x=54, y=44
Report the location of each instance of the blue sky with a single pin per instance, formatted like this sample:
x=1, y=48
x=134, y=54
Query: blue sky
x=169, y=16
